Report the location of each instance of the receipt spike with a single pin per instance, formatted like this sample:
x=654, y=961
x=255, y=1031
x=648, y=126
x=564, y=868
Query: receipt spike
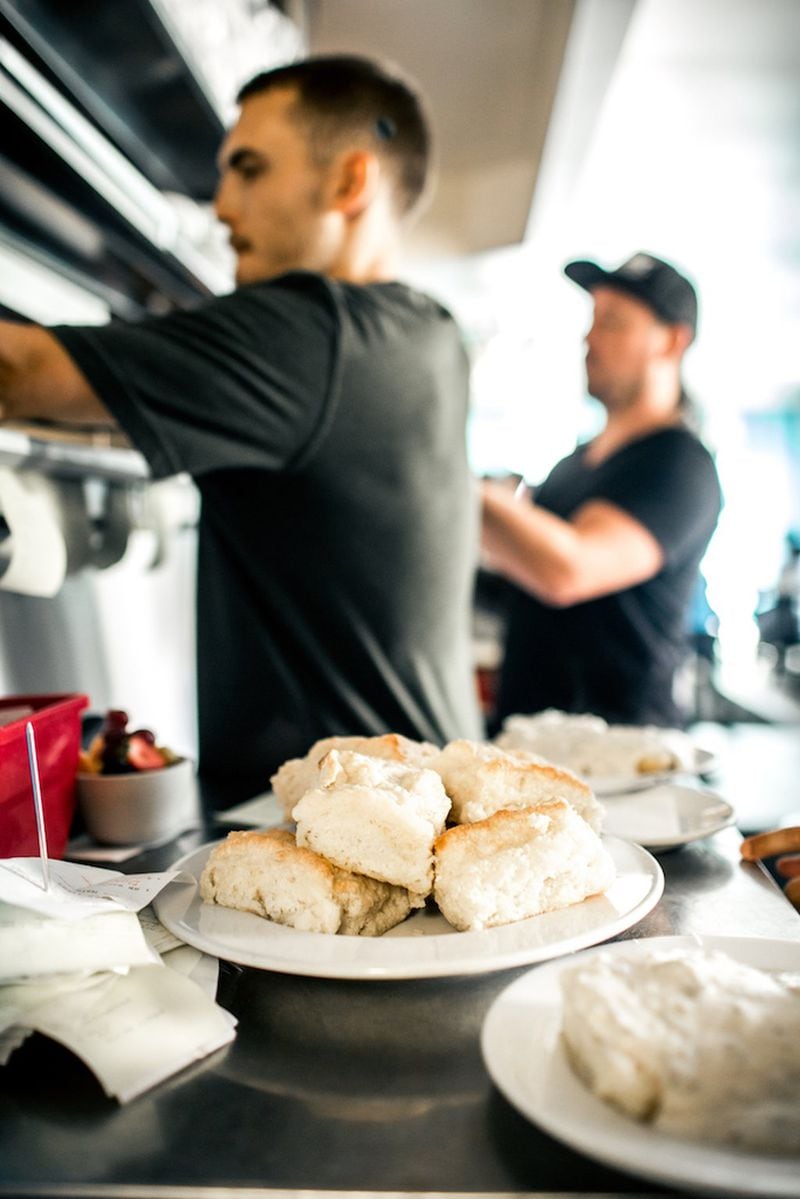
x=33, y=766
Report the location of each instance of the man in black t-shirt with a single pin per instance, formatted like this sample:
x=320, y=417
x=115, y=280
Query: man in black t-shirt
x=321, y=411
x=605, y=558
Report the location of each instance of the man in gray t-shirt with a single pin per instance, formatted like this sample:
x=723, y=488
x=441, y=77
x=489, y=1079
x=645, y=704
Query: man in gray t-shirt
x=321, y=410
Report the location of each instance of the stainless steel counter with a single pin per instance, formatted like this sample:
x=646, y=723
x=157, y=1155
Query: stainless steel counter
x=340, y=1087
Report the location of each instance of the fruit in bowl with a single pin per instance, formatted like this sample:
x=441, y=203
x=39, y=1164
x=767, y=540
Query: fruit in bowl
x=118, y=750
x=125, y=793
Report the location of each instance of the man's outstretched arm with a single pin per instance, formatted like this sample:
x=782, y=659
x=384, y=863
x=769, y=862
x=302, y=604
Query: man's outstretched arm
x=39, y=379
x=600, y=550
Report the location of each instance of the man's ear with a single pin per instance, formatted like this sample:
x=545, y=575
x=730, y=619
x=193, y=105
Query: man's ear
x=678, y=339
x=356, y=182
x=683, y=337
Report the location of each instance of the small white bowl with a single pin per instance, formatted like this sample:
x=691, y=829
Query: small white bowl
x=142, y=808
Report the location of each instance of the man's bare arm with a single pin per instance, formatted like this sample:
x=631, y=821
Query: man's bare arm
x=599, y=551
x=39, y=379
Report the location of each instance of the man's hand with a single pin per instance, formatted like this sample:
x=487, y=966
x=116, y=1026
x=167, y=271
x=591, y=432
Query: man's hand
x=789, y=868
x=39, y=379
x=778, y=843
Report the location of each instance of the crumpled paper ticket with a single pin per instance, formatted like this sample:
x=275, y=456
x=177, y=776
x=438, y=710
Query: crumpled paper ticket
x=76, y=891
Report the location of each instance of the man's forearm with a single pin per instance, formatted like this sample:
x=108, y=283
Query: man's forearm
x=38, y=379
x=13, y=342
x=599, y=550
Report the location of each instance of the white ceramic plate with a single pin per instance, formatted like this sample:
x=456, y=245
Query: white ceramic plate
x=666, y=816
x=620, y=784
x=425, y=945
x=525, y=1058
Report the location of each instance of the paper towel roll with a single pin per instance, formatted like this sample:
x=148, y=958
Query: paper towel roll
x=73, y=515
x=110, y=524
x=34, y=557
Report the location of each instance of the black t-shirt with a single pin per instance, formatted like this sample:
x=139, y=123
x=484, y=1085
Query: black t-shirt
x=616, y=656
x=323, y=424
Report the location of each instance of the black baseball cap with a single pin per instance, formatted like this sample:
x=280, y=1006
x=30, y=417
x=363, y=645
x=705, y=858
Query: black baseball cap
x=664, y=289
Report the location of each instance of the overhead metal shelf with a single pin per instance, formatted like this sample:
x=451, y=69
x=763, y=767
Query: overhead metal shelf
x=104, y=118
x=125, y=226
x=118, y=64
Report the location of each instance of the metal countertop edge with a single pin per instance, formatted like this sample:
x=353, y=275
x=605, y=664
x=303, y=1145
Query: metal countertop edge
x=111, y=1191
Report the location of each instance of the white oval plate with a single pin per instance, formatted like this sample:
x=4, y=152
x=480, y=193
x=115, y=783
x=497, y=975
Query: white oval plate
x=522, y=1049
x=666, y=816
x=425, y=945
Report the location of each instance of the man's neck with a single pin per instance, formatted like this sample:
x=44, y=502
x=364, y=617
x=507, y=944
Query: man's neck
x=369, y=250
x=629, y=425
x=362, y=275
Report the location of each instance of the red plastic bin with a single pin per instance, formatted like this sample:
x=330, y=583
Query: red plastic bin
x=57, y=731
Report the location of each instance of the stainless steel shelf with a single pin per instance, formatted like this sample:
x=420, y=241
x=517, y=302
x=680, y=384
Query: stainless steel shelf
x=71, y=454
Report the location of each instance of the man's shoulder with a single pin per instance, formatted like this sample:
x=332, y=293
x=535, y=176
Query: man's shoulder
x=669, y=441
x=299, y=304
x=320, y=289
x=306, y=306
x=394, y=296
x=303, y=285
x=676, y=453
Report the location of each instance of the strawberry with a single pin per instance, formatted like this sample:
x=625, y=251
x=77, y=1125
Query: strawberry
x=142, y=755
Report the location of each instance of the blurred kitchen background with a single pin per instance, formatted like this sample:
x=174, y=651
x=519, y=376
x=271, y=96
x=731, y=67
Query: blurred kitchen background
x=565, y=128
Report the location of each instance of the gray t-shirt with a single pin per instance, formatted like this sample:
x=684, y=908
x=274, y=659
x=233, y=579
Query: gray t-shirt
x=324, y=425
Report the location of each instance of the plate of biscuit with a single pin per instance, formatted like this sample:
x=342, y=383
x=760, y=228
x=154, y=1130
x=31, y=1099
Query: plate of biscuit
x=398, y=859
x=614, y=758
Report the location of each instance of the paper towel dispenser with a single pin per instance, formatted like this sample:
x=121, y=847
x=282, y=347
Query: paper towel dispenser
x=55, y=525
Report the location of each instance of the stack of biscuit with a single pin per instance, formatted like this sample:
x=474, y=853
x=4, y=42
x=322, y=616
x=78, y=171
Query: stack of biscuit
x=371, y=842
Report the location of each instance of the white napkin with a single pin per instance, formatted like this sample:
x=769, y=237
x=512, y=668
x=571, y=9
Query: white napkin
x=34, y=946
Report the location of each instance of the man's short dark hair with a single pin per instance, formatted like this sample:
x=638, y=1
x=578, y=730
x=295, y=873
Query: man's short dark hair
x=345, y=97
